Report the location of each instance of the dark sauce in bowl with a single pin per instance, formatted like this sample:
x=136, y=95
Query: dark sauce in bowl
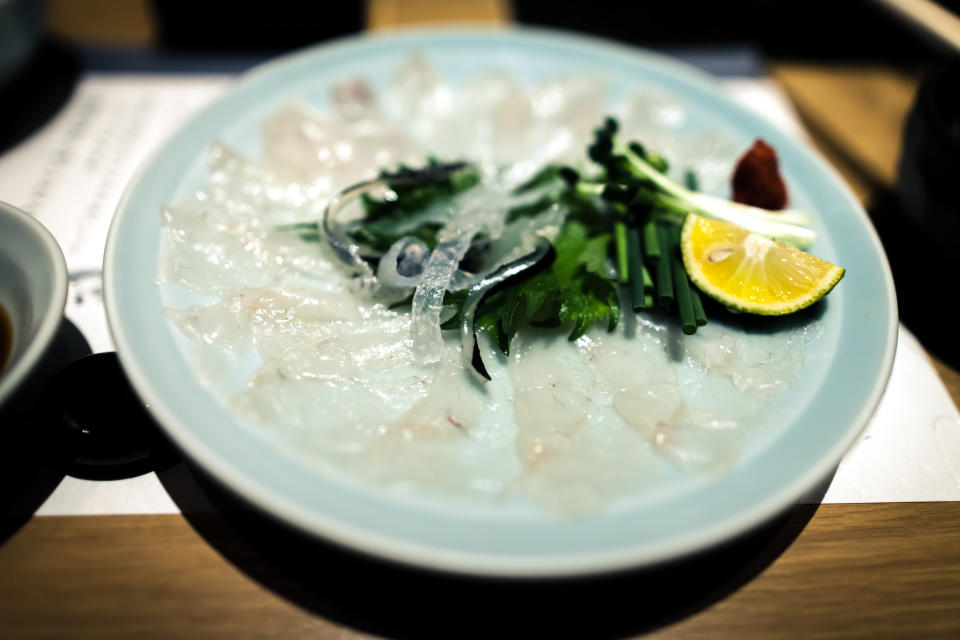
x=6, y=338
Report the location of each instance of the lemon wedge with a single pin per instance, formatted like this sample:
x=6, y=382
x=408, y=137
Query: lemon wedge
x=751, y=273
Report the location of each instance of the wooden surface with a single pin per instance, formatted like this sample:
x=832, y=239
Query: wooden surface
x=102, y=22
x=855, y=571
x=386, y=14
x=856, y=112
x=869, y=571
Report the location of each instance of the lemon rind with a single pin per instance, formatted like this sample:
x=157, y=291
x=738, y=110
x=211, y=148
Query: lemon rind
x=825, y=285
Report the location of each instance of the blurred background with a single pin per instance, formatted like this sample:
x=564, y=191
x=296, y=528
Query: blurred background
x=852, y=70
x=853, y=30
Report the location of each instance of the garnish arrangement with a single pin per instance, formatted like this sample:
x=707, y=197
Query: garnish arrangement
x=628, y=235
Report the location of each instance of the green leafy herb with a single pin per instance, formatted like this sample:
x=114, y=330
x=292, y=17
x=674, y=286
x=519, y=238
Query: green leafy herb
x=381, y=234
x=575, y=292
x=386, y=221
x=586, y=293
x=627, y=215
x=415, y=196
x=531, y=209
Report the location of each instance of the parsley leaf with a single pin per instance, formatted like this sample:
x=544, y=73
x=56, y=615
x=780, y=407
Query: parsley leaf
x=586, y=294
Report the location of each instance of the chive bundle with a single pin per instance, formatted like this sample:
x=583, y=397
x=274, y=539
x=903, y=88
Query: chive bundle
x=665, y=290
x=654, y=247
x=638, y=276
x=647, y=243
x=649, y=262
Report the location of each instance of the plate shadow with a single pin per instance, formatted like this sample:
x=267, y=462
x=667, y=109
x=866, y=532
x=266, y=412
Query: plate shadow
x=399, y=601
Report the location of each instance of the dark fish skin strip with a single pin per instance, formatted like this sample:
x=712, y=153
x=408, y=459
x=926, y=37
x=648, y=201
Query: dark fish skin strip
x=520, y=269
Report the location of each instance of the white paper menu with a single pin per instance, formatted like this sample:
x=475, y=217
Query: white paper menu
x=71, y=175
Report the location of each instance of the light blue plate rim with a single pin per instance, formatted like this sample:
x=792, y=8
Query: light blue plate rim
x=806, y=453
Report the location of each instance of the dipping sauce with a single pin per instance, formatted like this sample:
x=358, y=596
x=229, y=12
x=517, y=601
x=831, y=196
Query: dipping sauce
x=6, y=338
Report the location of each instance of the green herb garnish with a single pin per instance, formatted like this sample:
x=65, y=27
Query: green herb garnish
x=576, y=292
x=388, y=220
x=621, y=230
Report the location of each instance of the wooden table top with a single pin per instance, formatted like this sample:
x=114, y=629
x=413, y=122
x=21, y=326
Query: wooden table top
x=887, y=570
x=871, y=571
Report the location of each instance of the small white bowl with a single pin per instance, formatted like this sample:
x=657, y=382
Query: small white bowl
x=33, y=292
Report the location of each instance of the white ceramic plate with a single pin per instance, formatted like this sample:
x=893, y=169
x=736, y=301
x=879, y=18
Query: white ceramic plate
x=837, y=390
